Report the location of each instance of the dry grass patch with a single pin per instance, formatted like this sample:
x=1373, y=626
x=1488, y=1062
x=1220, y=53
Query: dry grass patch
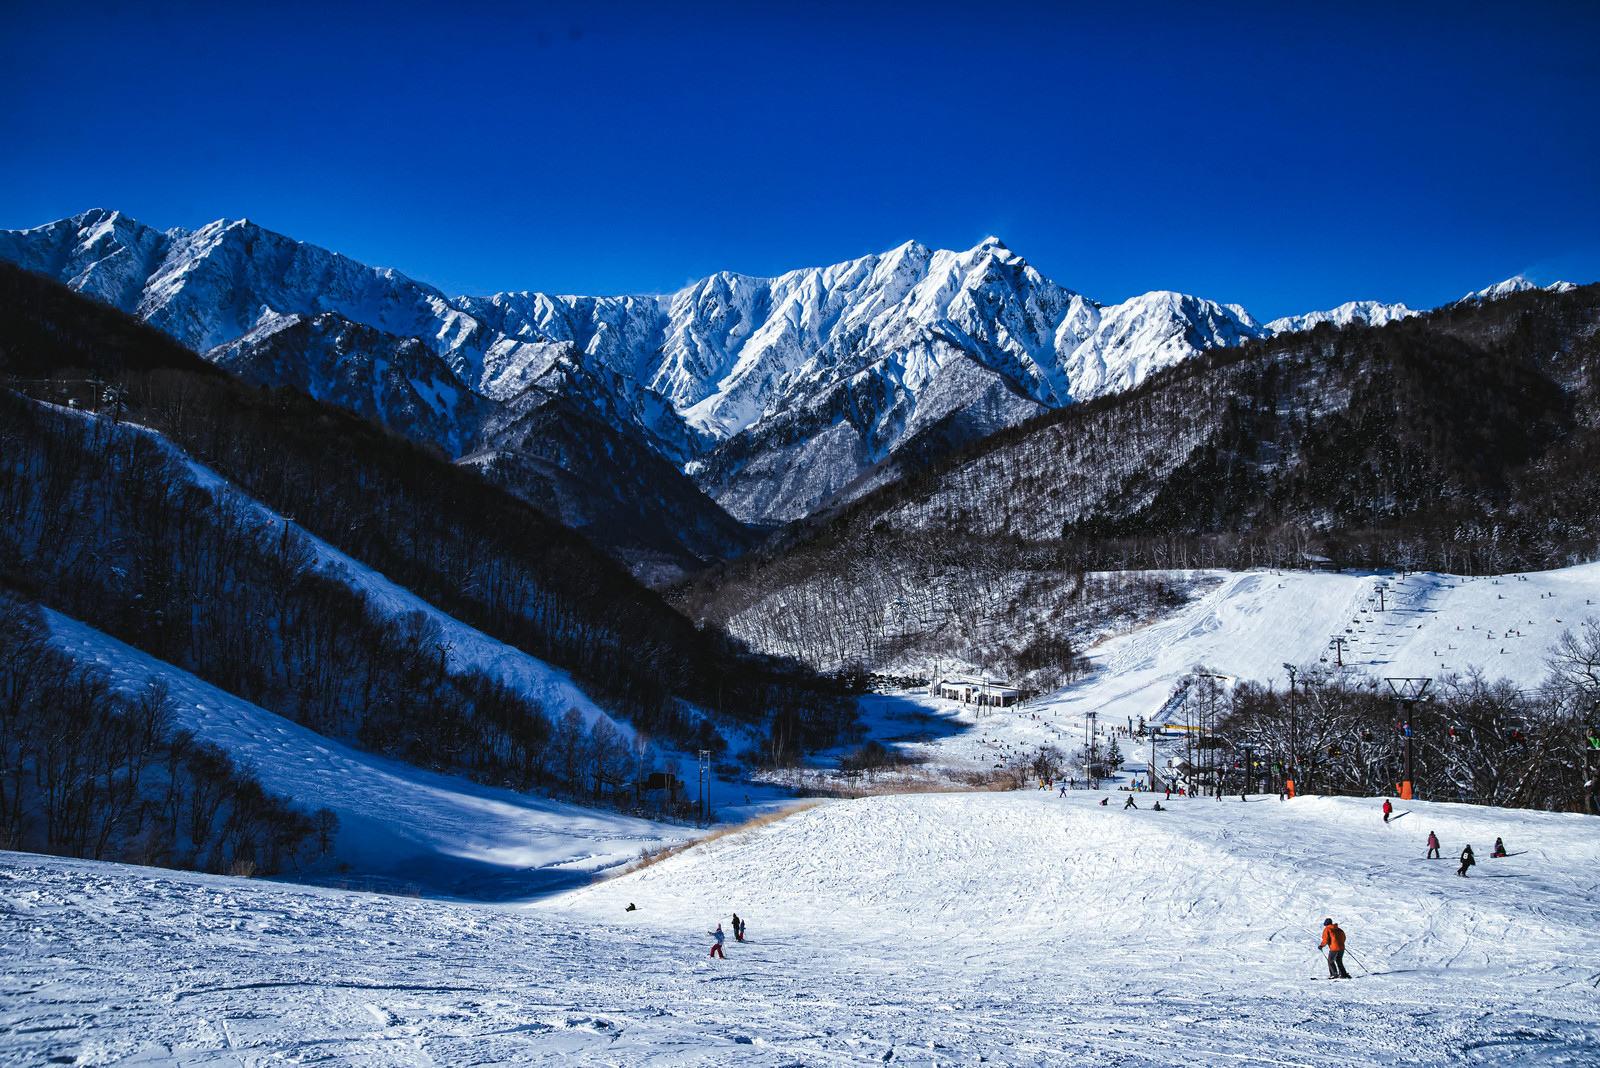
x=656, y=856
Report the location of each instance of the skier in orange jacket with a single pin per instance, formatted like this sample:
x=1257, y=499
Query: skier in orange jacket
x=1333, y=942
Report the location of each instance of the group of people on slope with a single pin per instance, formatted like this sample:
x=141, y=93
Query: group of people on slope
x=718, y=937
x=1468, y=859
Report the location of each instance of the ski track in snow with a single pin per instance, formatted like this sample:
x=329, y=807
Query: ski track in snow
x=1013, y=929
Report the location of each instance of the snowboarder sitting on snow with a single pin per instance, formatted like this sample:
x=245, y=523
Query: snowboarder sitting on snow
x=1333, y=941
x=1158, y=808
x=1103, y=801
x=716, y=947
x=631, y=907
x=1387, y=808
x=1433, y=846
x=1467, y=861
x=1130, y=804
x=1499, y=849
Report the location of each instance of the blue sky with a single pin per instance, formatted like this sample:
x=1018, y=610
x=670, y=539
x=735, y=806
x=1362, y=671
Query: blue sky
x=1285, y=161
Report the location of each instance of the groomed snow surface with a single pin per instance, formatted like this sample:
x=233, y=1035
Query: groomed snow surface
x=1015, y=928
x=1018, y=928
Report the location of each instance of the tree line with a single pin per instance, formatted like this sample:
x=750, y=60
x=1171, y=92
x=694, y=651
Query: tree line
x=1473, y=738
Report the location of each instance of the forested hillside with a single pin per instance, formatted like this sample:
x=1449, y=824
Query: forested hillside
x=1466, y=439
x=89, y=772
x=100, y=523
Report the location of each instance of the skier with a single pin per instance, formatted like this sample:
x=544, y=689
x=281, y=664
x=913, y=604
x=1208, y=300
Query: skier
x=1499, y=849
x=1433, y=846
x=738, y=928
x=1333, y=941
x=1467, y=861
x=1129, y=804
x=1063, y=792
x=1387, y=808
x=716, y=947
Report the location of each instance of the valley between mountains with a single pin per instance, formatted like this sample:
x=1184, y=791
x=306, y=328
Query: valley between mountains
x=396, y=678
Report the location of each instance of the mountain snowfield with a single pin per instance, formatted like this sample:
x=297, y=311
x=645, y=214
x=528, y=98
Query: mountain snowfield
x=774, y=393
x=1013, y=928
x=929, y=929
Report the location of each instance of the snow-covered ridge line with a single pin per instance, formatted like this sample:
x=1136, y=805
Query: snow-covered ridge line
x=821, y=372
x=469, y=648
x=1370, y=312
x=1514, y=284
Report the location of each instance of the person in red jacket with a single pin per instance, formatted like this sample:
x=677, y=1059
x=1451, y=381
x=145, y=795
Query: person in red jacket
x=1333, y=942
x=1387, y=808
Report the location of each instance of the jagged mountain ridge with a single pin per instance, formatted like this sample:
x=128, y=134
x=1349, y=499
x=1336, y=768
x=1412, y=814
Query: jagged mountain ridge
x=776, y=394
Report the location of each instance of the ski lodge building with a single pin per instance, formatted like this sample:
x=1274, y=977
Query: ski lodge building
x=977, y=690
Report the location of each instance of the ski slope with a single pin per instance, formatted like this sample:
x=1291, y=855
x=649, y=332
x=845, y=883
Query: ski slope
x=399, y=823
x=1247, y=625
x=1010, y=929
x=469, y=647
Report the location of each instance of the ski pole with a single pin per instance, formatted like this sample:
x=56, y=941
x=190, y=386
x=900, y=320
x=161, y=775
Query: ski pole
x=1357, y=962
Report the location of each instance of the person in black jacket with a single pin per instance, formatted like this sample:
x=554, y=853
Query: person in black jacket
x=1467, y=861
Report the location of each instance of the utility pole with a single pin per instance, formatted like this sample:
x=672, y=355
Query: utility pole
x=1151, y=727
x=1088, y=746
x=1292, y=765
x=1383, y=587
x=1339, y=646
x=705, y=785
x=1407, y=692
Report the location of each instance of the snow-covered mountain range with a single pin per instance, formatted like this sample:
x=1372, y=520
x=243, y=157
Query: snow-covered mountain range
x=774, y=394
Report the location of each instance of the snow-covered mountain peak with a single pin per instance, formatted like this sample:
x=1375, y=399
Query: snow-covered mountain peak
x=1515, y=284
x=855, y=357
x=1371, y=312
